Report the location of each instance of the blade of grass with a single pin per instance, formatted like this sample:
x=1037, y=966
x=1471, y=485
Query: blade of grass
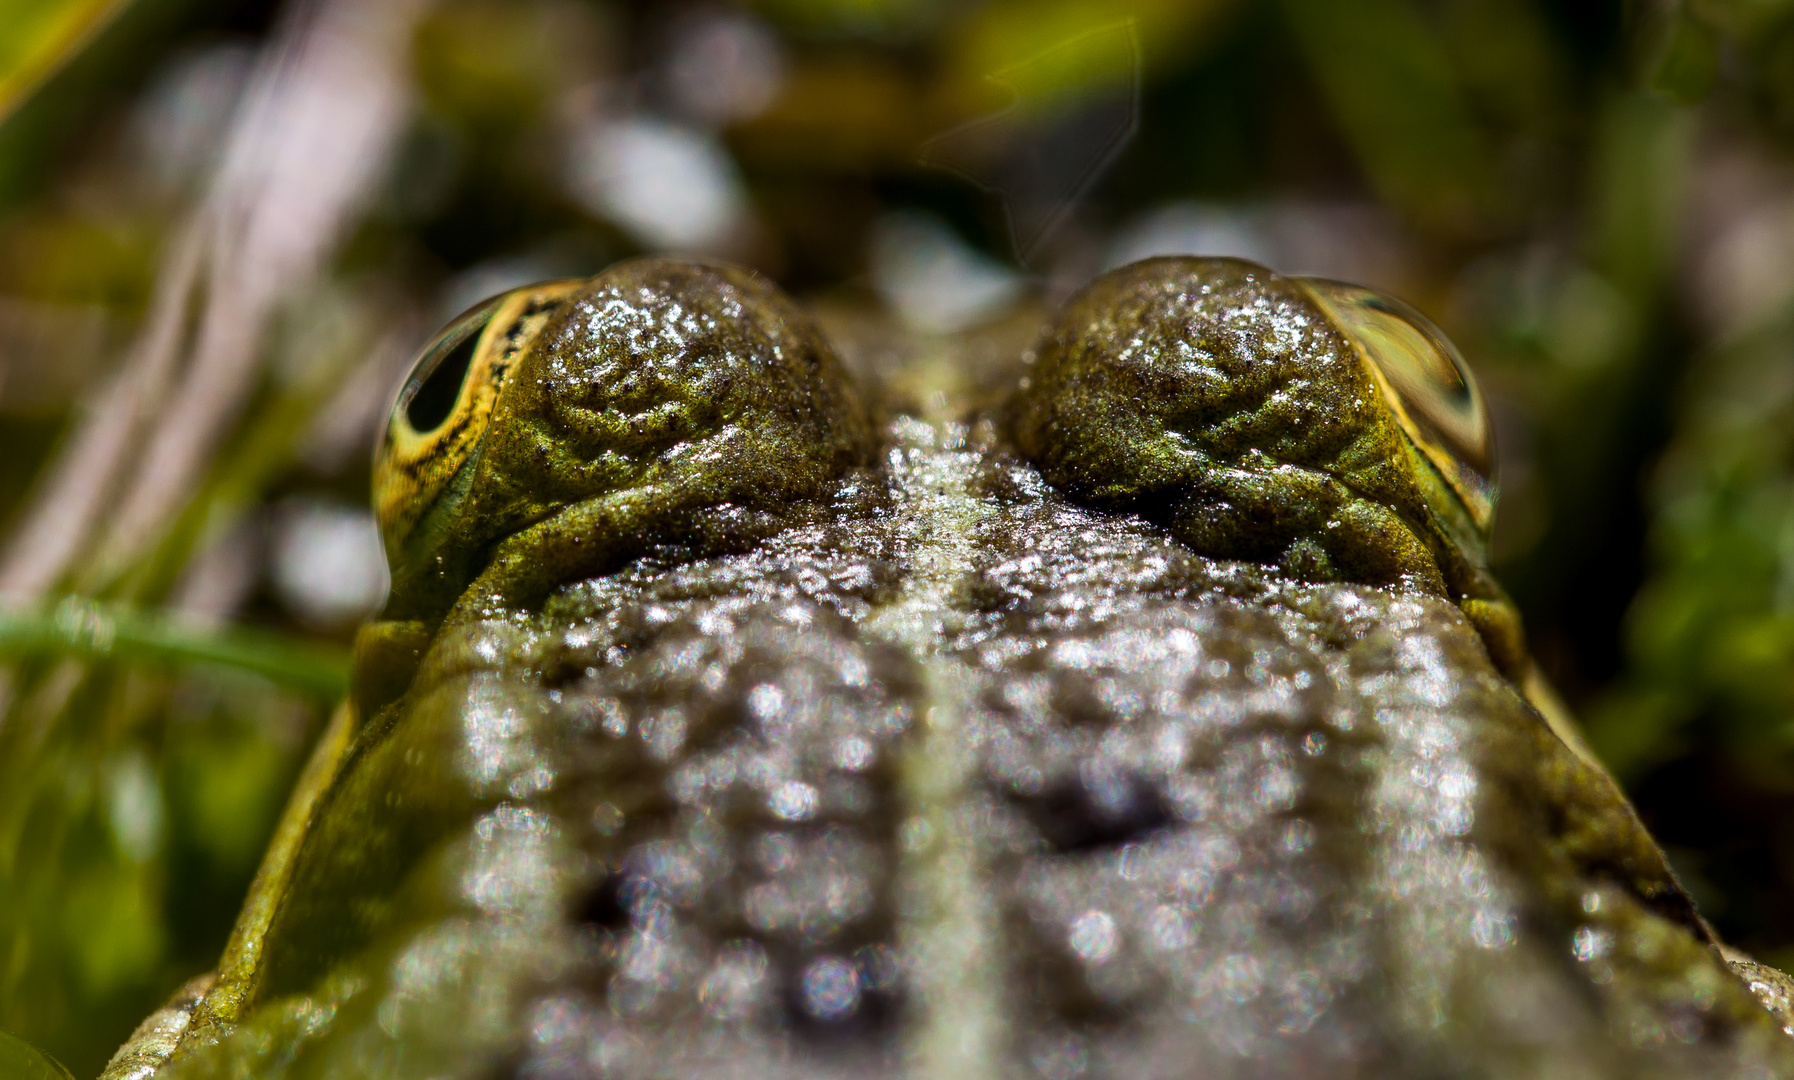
x=76, y=628
x=43, y=35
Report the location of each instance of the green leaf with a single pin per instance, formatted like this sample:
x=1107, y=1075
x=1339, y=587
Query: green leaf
x=40, y=37
x=83, y=629
x=1685, y=61
x=1391, y=84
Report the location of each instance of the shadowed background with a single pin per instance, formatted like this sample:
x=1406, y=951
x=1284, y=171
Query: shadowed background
x=227, y=225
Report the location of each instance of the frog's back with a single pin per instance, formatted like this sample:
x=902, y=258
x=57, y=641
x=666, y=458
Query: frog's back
x=964, y=762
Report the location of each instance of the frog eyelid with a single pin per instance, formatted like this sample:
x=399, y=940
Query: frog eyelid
x=1427, y=385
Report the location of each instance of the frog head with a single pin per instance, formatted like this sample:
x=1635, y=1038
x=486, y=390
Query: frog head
x=1009, y=736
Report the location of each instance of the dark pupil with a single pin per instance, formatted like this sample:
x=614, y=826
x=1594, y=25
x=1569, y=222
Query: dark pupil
x=436, y=397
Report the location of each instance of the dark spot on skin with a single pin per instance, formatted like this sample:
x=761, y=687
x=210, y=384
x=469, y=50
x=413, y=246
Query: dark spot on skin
x=605, y=905
x=1104, y=806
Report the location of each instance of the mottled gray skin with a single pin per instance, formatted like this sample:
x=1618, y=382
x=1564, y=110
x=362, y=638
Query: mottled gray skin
x=956, y=773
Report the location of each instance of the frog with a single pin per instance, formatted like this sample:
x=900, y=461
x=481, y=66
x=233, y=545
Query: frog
x=1136, y=702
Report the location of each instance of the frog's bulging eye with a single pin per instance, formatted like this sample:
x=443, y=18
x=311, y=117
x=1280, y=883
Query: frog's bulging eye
x=433, y=397
x=447, y=400
x=434, y=389
x=1428, y=385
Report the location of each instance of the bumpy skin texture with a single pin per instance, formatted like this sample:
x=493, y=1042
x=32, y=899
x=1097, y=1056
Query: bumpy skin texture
x=663, y=403
x=980, y=764
x=1217, y=399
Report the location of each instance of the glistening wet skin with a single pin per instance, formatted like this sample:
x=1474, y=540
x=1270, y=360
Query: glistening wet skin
x=741, y=710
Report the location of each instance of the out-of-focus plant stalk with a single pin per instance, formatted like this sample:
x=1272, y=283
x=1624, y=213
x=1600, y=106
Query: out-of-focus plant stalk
x=190, y=433
x=97, y=631
x=309, y=141
x=43, y=35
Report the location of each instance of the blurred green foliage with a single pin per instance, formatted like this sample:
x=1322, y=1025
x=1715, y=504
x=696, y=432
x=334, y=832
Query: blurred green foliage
x=1595, y=198
x=41, y=36
x=20, y=1060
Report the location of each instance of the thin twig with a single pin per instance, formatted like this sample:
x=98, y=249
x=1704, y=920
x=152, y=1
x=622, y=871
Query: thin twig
x=307, y=144
x=76, y=488
x=316, y=133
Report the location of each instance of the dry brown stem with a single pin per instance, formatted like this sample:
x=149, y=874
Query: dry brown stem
x=309, y=141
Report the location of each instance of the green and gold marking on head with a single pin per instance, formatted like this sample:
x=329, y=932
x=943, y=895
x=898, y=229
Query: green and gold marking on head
x=446, y=402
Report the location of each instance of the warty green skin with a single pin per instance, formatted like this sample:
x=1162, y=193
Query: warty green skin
x=1061, y=736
